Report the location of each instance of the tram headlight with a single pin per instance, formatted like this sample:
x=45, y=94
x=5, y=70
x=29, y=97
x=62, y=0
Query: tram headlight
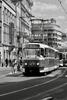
x=25, y=63
x=38, y=63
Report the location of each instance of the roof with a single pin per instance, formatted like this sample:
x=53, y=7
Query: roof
x=45, y=46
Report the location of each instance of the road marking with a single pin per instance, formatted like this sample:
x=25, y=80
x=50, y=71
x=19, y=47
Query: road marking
x=48, y=98
x=47, y=91
x=53, y=74
x=29, y=87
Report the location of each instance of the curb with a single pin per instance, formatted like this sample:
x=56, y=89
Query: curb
x=14, y=74
x=3, y=76
x=3, y=69
x=11, y=75
x=48, y=98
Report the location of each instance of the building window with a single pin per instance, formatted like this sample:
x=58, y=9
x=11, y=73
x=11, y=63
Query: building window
x=0, y=34
x=5, y=15
x=0, y=14
x=6, y=34
x=11, y=33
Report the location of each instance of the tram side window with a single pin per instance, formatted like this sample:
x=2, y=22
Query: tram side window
x=46, y=52
x=60, y=56
x=42, y=52
x=49, y=52
x=66, y=56
x=38, y=52
x=23, y=53
x=52, y=53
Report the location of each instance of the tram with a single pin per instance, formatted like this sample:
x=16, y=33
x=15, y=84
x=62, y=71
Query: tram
x=65, y=59
x=39, y=58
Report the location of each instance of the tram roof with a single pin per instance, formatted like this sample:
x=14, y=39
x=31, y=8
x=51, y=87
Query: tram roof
x=55, y=49
x=41, y=45
x=45, y=46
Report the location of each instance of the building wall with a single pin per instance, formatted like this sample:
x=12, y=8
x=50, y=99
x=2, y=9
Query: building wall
x=14, y=19
x=0, y=29
x=25, y=25
x=53, y=34
x=0, y=21
x=48, y=30
x=8, y=32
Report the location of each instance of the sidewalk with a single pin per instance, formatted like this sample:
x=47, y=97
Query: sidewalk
x=4, y=68
x=18, y=77
x=10, y=74
x=8, y=68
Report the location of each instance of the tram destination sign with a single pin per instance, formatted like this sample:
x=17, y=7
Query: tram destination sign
x=32, y=46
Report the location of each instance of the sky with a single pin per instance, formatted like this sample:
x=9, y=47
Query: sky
x=48, y=9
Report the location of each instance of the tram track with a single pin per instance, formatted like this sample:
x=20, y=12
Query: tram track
x=45, y=93
x=28, y=89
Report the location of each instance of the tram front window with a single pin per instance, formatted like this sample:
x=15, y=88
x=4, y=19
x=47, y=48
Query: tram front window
x=31, y=52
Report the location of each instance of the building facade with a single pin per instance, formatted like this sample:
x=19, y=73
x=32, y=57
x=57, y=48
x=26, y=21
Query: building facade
x=23, y=20
x=46, y=31
x=7, y=24
x=14, y=22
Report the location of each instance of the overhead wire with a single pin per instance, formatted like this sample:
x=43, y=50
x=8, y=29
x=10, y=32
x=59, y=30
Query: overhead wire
x=62, y=6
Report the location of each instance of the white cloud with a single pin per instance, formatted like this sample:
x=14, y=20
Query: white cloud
x=65, y=30
x=50, y=7
x=44, y=6
x=41, y=8
x=65, y=1
x=60, y=17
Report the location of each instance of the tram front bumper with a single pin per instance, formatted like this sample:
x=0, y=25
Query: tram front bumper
x=30, y=69
x=42, y=70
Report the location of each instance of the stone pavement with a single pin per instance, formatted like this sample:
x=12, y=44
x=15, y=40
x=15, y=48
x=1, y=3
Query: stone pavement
x=18, y=77
x=4, y=68
x=8, y=68
x=54, y=73
x=8, y=72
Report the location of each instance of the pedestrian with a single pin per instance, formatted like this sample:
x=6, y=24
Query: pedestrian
x=20, y=60
x=6, y=61
x=13, y=65
x=2, y=64
x=10, y=62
